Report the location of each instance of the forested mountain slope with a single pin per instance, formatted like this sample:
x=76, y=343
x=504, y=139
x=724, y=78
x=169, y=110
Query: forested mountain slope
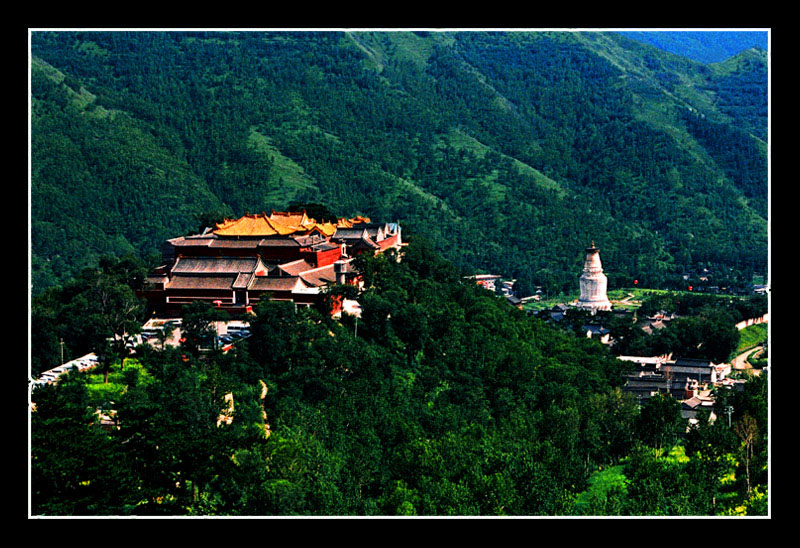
x=509, y=151
x=443, y=400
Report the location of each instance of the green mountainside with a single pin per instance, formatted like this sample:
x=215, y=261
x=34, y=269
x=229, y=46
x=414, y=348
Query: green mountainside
x=510, y=152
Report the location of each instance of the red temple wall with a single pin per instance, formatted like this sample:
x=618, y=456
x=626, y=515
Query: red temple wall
x=325, y=258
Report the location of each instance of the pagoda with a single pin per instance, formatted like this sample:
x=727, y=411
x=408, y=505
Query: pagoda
x=593, y=283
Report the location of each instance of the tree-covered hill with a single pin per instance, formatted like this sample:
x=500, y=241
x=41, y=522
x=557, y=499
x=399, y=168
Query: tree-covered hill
x=442, y=400
x=509, y=151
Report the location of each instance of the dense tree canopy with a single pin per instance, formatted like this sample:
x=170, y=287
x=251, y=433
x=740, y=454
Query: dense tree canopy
x=97, y=312
x=440, y=400
x=705, y=328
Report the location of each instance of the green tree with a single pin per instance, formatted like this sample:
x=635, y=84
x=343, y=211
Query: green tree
x=606, y=494
x=275, y=334
x=98, y=311
x=662, y=484
x=197, y=326
x=77, y=469
x=746, y=430
x=319, y=212
x=660, y=423
x=209, y=219
x=165, y=333
x=115, y=315
x=411, y=324
x=172, y=429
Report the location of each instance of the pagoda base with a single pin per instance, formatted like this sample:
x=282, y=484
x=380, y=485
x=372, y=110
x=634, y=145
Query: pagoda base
x=594, y=305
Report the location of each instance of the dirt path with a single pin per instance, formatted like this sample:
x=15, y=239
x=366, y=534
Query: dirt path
x=741, y=362
x=626, y=300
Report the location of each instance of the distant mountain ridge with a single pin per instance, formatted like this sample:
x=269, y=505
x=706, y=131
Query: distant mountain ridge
x=704, y=46
x=509, y=151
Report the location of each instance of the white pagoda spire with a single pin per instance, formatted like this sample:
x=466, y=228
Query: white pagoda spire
x=593, y=283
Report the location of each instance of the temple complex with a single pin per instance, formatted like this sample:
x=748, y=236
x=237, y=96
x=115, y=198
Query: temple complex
x=593, y=283
x=282, y=256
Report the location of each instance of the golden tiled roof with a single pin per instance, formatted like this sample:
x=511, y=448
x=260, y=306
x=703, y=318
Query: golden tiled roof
x=279, y=223
x=348, y=223
x=248, y=225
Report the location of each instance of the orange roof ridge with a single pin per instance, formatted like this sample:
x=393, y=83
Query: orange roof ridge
x=343, y=222
x=282, y=223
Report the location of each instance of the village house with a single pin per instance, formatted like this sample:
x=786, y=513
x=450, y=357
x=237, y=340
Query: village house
x=486, y=281
x=644, y=385
x=703, y=371
x=693, y=405
x=685, y=379
x=596, y=330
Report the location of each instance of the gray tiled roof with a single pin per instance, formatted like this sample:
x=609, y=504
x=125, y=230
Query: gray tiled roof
x=294, y=268
x=265, y=283
x=193, y=242
x=214, y=265
x=324, y=246
x=201, y=282
x=234, y=244
x=319, y=276
x=279, y=242
x=242, y=280
x=367, y=242
x=349, y=233
x=692, y=362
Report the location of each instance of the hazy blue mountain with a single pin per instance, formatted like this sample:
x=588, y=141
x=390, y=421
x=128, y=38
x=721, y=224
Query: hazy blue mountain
x=703, y=46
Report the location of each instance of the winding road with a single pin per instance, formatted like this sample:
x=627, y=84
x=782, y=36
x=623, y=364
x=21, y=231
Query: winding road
x=626, y=300
x=741, y=362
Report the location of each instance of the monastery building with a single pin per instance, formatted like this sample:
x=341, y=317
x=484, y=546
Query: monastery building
x=282, y=256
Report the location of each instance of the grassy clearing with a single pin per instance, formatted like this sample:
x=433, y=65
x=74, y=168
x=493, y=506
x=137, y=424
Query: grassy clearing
x=461, y=141
x=400, y=46
x=407, y=46
x=614, y=295
x=287, y=178
x=551, y=302
x=100, y=392
x=752, y=336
